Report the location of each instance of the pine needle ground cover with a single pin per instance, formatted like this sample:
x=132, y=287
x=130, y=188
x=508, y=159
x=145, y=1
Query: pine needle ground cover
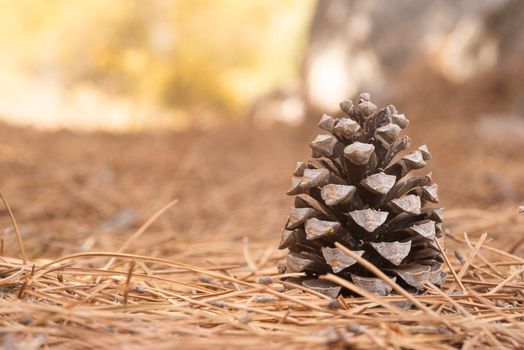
x=113, y=262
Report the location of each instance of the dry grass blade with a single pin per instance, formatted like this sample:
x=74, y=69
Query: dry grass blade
x=506, y=281
x=17, y=231
x=128, y=280
x=446, y=259
x=142, y=229
x=469, y=260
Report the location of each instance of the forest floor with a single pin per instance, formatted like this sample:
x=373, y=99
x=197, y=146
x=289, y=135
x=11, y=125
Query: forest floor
x=169, y=239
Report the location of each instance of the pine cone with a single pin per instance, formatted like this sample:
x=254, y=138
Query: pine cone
x=353, y=192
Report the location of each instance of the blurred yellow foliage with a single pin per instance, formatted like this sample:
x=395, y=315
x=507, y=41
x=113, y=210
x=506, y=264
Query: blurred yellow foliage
x=213, y=55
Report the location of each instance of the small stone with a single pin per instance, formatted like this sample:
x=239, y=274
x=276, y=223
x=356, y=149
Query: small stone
x=25, y=320
x=503, y=304
x=355, y=328
x=219, y=303
x=264, y=299
x=139, y=289
x=265, y=280
x=244, y=319
x=459, y=256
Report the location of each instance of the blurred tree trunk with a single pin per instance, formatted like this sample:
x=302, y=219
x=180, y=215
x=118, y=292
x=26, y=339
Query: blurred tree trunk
x=359, y=45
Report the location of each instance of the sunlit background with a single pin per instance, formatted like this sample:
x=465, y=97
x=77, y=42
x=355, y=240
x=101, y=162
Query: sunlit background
x=136, y=64
x=131, y=65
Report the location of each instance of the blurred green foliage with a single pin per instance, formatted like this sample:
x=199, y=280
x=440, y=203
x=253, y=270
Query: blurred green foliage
x=184, y=55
